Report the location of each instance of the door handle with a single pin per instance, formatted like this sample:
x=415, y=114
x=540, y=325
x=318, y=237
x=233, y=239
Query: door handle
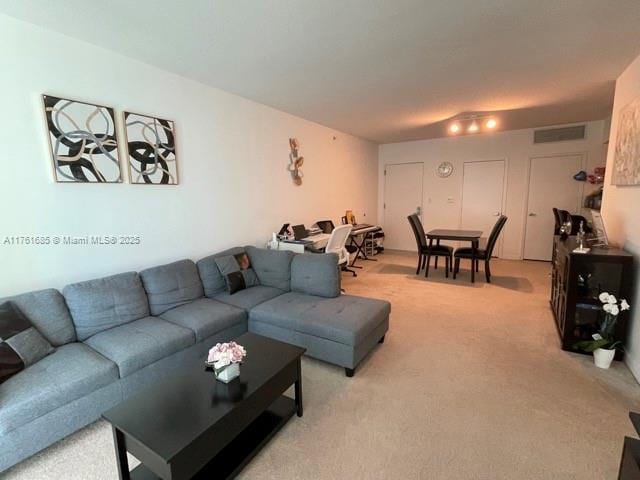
x=496, y=214
x=532, y=214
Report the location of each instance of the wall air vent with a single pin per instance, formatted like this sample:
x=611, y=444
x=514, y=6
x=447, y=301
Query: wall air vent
x=561, y=134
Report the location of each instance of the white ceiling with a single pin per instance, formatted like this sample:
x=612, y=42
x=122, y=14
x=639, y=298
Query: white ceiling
x=385, y=70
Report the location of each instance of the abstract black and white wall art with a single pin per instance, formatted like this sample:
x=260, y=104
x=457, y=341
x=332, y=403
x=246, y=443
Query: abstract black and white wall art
x=151, y=149
x=626, y=165
x=83, y=140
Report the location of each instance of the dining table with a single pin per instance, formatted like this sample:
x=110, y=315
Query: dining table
x=472, y=236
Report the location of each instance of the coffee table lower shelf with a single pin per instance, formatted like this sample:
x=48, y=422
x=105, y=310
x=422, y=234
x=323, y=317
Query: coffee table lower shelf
x=237, y=454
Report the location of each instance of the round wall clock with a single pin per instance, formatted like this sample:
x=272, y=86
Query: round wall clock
x=444, y=169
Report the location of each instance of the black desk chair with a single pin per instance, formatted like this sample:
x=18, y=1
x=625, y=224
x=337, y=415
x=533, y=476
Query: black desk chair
x=425, y=252
x=481, y=253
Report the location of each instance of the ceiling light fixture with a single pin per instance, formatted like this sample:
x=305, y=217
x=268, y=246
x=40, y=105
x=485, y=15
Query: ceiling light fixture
x=474, y=123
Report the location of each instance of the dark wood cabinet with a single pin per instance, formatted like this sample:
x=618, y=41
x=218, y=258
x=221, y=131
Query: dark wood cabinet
x=576, y=281
x=630, y=460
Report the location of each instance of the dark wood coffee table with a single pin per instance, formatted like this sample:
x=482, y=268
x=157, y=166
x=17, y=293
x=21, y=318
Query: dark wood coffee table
x=193, y=426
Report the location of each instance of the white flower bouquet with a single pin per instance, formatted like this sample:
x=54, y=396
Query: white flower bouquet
x=605, y=338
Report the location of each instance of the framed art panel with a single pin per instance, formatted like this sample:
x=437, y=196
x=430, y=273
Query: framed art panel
x=151, y=149
x=83, y=141
x=626, y=163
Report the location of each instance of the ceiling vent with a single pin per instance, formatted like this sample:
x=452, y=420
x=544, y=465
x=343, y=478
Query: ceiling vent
x=561, y=134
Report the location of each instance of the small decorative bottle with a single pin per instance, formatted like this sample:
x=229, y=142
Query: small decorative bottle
x=580, y=236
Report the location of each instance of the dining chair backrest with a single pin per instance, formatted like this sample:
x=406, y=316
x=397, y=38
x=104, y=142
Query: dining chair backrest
x=493, y=236
x=558, y=222
x=418, y=231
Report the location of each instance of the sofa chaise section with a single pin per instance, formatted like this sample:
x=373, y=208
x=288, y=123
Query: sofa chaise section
x=339, y=329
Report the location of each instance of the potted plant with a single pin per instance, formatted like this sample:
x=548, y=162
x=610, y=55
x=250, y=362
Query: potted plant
x=604, y=344
x=225, y=359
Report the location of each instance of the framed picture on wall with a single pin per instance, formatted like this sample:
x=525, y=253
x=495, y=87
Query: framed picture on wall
x=626, y=164
x=151, y=150
x=83, y=141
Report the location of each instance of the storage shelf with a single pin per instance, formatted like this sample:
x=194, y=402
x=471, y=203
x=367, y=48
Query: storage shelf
x=575, y=304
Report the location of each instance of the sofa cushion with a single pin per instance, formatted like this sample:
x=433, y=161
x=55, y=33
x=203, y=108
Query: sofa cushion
x=237, y=277
x=21, y=344
x=71, y=372
x=249, y=297
x=316, y=274
x=100, y=304
x=273, y=267
x=210, y=275
x=171, y=285
x=140, y=343
x=47, y=311
x=345, y=319
x=205, y=317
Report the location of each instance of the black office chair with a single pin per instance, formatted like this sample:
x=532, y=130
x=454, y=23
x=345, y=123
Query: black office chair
x=425, y=252
x=481, y=253
x=566, y=218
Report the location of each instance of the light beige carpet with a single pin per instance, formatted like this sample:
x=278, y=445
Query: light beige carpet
x=470, y=384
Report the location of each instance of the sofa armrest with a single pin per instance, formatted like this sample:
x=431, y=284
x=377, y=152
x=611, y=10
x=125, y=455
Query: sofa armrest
x=316, y=274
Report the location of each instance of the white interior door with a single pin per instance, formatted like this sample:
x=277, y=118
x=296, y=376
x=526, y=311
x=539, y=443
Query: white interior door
x=402, y=197
x=482, y=197
x=551, y=184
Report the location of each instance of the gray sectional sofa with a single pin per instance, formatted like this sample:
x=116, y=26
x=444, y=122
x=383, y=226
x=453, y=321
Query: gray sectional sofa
x=113, y=336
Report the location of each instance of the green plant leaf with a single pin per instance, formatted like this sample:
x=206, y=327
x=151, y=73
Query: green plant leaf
x=591, y=345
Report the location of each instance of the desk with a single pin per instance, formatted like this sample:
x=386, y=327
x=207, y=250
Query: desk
x=316, y=241
x=364, y=231
x=472, y=236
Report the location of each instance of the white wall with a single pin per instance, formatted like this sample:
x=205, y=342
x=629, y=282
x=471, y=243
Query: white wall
x=621, y=207
x=516, y=147
x=232, y=158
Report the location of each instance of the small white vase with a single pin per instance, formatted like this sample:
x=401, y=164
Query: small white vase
x=228, y=373
x=603, y=357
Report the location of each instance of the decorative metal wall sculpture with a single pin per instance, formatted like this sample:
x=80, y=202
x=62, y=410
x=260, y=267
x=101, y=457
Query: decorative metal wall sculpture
x=83, y=140
x=295, y=165
x=151, y=149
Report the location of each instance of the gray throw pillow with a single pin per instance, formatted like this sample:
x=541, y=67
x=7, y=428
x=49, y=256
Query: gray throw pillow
x=21, y=344
x=231, y=264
